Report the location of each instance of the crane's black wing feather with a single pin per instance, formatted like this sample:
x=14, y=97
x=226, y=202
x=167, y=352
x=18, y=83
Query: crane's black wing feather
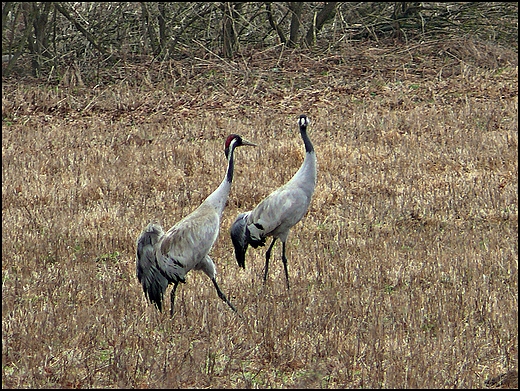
x=154, y=283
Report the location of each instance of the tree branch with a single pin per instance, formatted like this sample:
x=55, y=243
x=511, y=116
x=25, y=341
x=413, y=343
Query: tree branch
x=328, y=11
x=84, y=31
x=296, y=9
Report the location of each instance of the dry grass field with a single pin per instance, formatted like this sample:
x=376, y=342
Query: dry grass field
x=404, y=272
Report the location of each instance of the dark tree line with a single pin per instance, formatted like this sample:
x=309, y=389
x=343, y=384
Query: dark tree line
x=54, y=34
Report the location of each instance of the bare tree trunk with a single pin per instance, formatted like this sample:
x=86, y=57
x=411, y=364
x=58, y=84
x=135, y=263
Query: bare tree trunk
x=273, y=23
x=229, y=37
x=16, y=43
x=149, y=28
x=8, y=6
x=163, y=36
x=37, y=16
x=328, y=11
x=296, y=9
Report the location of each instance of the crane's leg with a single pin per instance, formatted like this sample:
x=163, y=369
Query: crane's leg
x=222, y=295
x=284, y=260
x=172, y=298
x=208, y=267
x=267, y=257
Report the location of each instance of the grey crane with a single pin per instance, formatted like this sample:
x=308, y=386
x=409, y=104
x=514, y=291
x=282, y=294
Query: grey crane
x=276, y=214
x=166, y=258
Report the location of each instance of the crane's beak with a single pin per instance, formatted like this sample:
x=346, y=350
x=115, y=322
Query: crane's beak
x=245, y=142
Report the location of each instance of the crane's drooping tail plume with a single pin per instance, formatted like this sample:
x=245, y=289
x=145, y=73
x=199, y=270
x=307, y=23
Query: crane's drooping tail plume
x=276, y=214
x=153, y=282
x=166, y=258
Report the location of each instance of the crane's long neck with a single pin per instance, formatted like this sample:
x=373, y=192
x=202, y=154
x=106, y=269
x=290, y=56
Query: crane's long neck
x=219, y=197
x=306, y=140
x=306, y=175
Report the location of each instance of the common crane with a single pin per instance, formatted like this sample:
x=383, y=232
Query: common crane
x=166, y=258
x=276, y=214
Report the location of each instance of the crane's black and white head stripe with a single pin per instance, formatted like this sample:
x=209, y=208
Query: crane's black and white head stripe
x=303, y=121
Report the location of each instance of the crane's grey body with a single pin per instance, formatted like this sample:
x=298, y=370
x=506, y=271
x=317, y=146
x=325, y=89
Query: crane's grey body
x=276, y=214
x=166, y=258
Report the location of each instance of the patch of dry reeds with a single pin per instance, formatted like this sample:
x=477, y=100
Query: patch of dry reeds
x=404, y=272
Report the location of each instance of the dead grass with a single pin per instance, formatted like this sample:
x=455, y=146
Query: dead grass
x=404, y=272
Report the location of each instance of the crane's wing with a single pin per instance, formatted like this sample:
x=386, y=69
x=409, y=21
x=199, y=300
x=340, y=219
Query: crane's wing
x=154, y=283
x=277, y=213
x=186, y=244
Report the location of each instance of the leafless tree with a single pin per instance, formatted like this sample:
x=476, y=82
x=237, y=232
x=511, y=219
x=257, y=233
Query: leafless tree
x=56, y=34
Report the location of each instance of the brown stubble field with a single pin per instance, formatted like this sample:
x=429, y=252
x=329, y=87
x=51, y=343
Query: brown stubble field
x=404, y=272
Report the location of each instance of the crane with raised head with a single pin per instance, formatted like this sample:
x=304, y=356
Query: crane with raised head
x=165, y=258
x=276, y=214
